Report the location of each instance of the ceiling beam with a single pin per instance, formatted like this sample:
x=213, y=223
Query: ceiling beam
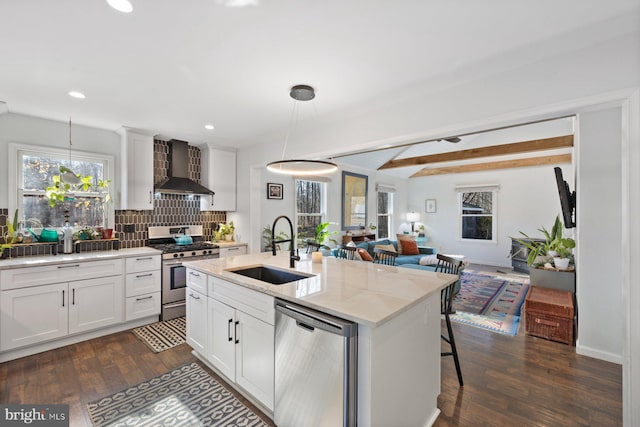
x=504, y=164
x=475, y=153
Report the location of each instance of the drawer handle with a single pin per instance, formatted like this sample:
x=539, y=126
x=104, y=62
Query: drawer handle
x=73, y=297
x=63, y=297
x=144, y=259
x=150, y=198
x=235, y=331
x=194, y=296
x=139, y=276
x=233, y=249
x=229, y=329
x=69, y=266
x=194, y=274
x=142, y=299
x=547, y=323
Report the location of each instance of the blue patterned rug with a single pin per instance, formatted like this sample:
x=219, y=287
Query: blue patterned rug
x=490, y=301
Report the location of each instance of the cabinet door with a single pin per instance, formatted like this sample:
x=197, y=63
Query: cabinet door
x=219, y=174
x=196, y=321
x=222, y=328
x=255, y=357
x=95, y=303
x=137, y=183
x=33, y=315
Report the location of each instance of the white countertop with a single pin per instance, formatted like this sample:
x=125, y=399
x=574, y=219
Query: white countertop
x=362, y=292
x=229, y=244
x=35, y=261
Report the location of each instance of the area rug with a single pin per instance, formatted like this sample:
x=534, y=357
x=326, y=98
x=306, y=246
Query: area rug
x=185, y=396
x=161, y=336
x=490, y=301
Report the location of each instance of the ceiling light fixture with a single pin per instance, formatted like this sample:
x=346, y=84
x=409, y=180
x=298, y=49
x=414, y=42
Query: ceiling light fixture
x=76, y=94
x=123, y=6
x=300, y=167
x=209, y=127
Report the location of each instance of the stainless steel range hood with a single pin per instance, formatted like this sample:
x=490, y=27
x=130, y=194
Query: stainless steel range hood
x=178, y=181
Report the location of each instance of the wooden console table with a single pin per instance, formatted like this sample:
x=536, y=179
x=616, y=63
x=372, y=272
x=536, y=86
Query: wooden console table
x=357, y=238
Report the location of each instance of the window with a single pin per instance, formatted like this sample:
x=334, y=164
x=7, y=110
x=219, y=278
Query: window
x=35, y=171
x=385, y=214
x=478, y=213
x=310, y=207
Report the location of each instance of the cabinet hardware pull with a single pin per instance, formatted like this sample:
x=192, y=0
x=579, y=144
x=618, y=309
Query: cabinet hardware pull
x=150, y=197
x=194, y=296
x=143, y=259
x=142, y=299
x=235, y=331
x=63, y=297
x=144, y=275
x=69, y=266
x=233, y=249
x=194, y=274
x=73, y=296
x=229, y=329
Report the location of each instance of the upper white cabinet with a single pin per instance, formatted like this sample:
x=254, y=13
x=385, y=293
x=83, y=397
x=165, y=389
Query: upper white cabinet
x=137, y=171
x=218, y=175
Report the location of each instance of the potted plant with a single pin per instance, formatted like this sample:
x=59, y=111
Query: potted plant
x=322, y=235
x=4, y=250
x=225, y=232
x=104, y=200
x=421, y=231
x=12, y=235
x=266, y=238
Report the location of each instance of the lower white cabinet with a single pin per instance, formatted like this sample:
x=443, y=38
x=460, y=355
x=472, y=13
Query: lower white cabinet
x=142, y=287
x=36, y=314
x=232, y=251
x=196, y=320
x=222, y=346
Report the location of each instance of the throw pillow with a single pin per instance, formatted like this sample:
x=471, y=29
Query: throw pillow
x=389, y=247
x=364, y=255
x=351, y=244
x=429, y=260
x=402, y=239
x=408, y=247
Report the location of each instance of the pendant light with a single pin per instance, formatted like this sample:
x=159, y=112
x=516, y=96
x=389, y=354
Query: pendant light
x=66, y=174
x=300, y=167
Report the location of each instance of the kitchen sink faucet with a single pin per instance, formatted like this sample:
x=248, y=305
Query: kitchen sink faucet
x=293, y=256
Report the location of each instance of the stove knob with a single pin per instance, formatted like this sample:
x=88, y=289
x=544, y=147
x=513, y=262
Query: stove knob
x=181, y=254
x=210, y=251
x=193, y=254
x=175, y=255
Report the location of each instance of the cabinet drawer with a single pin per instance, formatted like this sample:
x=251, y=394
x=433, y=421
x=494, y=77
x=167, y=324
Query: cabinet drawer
x=67, y=272
x=142, y=283
x=142, y=306
x=197, y=281
x=255, y=303
x=142, y=263
x=233, y=250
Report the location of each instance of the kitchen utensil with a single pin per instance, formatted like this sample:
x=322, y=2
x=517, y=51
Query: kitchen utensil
x=48, y=235
x=183, y=239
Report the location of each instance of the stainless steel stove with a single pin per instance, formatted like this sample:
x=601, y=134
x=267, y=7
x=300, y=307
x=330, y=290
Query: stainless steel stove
x=178, y=243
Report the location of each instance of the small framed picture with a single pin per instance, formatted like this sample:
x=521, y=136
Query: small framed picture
x=274, y=191
x=430, y=205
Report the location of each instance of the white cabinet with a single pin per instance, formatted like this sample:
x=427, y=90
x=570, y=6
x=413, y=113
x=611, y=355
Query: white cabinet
x=219, y=175
x=137, y=171
x=196, y=320
x=95, y=303
x=233, y=250
x=142, y=286
x=241, y=337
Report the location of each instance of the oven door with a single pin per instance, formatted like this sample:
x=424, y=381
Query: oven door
x=174, y=281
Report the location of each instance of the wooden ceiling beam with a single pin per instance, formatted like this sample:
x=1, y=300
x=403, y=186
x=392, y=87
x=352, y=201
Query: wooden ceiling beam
x=504, y=164
x=474, y=153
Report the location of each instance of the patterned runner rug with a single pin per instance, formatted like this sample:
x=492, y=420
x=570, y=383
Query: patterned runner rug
x=161, y=336
x=185, y=396
x=490, y=301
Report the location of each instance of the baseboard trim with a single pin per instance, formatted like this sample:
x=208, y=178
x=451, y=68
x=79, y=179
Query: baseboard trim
x=432, y=419
x=598, y=354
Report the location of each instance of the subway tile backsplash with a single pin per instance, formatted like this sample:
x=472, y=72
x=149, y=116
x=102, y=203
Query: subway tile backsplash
x=168, y=209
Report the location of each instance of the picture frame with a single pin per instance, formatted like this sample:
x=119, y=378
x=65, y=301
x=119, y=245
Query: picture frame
x=430, y=205
x=275, y=191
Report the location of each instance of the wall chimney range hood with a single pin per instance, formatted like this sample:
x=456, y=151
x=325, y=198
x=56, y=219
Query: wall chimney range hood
x=178, y=181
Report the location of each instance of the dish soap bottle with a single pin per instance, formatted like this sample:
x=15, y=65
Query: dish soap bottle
x=67, y=231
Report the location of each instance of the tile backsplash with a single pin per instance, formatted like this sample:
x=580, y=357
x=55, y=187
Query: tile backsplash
x=168, y=209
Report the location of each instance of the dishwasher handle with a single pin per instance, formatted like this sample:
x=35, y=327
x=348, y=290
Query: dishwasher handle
x=311, y=319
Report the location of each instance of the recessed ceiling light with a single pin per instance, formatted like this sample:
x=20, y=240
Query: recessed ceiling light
x=209, y=127
x=76, y=94
x=123, y=6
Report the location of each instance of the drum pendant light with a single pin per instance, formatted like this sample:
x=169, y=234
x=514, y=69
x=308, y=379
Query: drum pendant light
x=296, y=166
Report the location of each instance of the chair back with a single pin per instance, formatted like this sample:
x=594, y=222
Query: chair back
x=346, y=252
x=383, y=256
x=450, y=266
x=312, y=246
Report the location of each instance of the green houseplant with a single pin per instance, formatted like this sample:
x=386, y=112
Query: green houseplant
x=225, y=232
x=554, y=245
x=322, y=235
x=266, y=238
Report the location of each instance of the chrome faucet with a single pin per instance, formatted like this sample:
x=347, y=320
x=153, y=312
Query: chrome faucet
x=293, y=256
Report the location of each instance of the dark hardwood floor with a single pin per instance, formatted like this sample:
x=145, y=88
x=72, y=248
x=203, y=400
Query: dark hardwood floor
x=509, y=381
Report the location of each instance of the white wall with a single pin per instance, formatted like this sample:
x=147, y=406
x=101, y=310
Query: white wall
x=36, y=131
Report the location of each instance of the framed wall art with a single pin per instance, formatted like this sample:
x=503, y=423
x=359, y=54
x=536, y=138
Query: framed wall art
x=274, y=191
x=430, y=206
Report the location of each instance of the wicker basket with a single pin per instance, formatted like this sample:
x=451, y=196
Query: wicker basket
x=549, y=314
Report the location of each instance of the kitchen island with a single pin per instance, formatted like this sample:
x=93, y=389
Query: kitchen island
x=398, y=315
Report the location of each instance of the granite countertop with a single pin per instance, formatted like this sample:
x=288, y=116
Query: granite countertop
x=362, y=292
x=229, y=244
x=36, y=261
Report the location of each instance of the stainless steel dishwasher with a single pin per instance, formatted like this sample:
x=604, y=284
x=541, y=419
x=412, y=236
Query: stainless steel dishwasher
x=316, y=368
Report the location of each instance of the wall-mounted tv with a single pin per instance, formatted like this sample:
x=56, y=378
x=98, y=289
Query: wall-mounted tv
x=567, y=200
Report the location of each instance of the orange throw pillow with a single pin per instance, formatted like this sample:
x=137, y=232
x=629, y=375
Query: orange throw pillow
x=365, y=255
x=409, y=247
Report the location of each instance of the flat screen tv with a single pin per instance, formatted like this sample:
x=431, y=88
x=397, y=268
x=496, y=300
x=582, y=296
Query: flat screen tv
x=567, y=200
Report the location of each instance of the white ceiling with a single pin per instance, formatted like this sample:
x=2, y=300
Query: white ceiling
x=170, y=67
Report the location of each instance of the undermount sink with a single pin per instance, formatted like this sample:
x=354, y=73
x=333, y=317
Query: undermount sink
x=270, y=275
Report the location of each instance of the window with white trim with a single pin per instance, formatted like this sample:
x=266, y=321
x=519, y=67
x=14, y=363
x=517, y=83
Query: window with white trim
x=310, y=207
x=477, y=213
x=36, y=167
x=384, y=214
